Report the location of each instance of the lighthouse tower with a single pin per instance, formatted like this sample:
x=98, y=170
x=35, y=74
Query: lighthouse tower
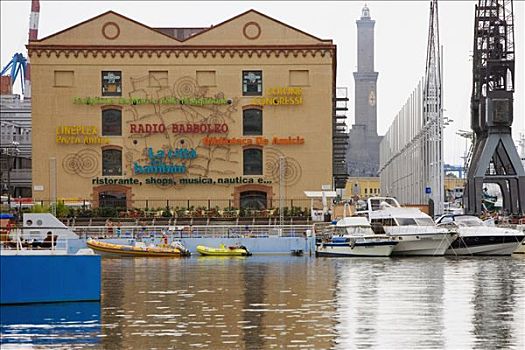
x=363, y=148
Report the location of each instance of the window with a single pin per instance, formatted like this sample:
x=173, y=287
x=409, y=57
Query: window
x=112, y=122
x=111, y=162
x=253, y=200
x=252, y=122
x=445, y=220
x=377, y=226
x=111, y=83
x=424, y=221
x=252, y=83
x=406, y=222
x=252, y=161
x=112, y=199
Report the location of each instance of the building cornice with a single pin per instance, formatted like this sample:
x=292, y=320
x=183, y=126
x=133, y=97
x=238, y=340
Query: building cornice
x=182, y=51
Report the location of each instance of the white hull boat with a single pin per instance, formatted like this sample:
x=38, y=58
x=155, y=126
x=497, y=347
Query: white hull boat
x=419, y=245
x=365, y=247
x=415, y=231
x=477, y=238
x=488, y=249
x=354, y=237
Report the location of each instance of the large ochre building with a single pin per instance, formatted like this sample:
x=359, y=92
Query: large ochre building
x=123, y=113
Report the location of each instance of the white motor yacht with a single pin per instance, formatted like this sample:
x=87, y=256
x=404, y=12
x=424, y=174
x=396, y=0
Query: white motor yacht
x=477, y=238
x=353, y=236
x=415, y=231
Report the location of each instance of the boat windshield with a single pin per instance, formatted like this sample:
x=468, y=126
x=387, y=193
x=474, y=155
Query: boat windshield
x=468, y=221
x=406, y=222
x=353, y=230
x=424, y=222
x=359, y=230
x=382, y=203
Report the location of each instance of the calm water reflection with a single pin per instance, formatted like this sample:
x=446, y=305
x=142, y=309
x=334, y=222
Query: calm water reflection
x=56, y=326
x=300, y=302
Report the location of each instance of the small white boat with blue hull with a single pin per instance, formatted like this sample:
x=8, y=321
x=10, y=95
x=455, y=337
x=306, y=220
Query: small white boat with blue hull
x=42, y=271
x=353, y=236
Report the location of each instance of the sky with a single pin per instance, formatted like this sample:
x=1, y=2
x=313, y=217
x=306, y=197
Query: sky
x=401, y=32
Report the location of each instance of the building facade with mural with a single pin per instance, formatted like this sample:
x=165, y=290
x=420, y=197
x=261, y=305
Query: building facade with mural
x=241, y=111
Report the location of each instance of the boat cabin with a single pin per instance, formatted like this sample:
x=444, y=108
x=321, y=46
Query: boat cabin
x=353, y=226
x=385, y=212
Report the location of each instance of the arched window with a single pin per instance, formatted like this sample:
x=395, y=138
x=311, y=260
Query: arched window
x=112, y=122
x=111, y=162
x=253, y=200
x=252, y=122
x=252, y=161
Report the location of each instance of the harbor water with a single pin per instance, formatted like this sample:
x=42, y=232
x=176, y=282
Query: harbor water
x=265, y=302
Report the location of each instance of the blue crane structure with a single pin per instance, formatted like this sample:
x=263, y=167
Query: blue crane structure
x=17, y=65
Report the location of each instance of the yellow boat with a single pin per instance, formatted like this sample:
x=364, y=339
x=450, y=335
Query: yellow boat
x=176, y=249
x=224, y=251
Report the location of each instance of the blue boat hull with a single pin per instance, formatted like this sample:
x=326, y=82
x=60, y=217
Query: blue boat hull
x=49, y=278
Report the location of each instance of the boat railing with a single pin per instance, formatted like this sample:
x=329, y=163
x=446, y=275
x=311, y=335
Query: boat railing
x=197, y=231
x=22, y=243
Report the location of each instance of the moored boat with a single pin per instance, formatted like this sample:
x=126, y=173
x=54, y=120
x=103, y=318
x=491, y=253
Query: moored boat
x=362, y=246
x=223, y=250
x=46, y=272
x=175, y=249
x=354, y=237
x=477, y=238
x=415, y=231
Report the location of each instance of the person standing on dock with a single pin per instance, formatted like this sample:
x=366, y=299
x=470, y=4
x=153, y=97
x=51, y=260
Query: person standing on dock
x=109, y=228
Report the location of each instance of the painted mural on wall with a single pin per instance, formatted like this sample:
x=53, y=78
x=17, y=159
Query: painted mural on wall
x=181, y=126
x=84, y=163
x=289, y=168
x=177, y=135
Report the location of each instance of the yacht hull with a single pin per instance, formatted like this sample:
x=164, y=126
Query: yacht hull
x=371, y=249
x=423, y=245
x=491, y=245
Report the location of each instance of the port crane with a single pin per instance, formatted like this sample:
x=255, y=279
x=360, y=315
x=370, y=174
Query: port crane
x=20, y=64
x=17, y=65
x=494, y=158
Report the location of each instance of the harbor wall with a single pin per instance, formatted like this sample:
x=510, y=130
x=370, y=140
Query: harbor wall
x=256, y=245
